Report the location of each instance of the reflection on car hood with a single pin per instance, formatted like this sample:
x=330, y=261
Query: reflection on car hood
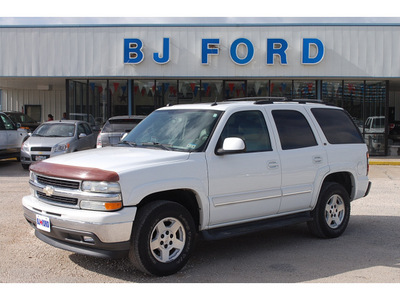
x=119, y=159
x=38, y=141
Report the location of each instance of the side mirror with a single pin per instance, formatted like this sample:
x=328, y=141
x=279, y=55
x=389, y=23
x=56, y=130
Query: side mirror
x=232, y=145
x=82, y=135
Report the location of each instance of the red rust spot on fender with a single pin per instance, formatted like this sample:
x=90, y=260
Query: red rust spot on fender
x=73, y=172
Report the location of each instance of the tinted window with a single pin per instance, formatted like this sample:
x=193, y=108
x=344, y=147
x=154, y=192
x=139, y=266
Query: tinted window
x=249, y=126
x=294, y=130
x=337, y=126
x=120, y=125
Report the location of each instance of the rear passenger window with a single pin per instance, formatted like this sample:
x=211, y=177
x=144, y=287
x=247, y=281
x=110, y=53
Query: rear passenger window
x=294, y=130
x=337, y=126
x=249, y=126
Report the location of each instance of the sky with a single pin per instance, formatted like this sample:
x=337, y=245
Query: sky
x=52, y=12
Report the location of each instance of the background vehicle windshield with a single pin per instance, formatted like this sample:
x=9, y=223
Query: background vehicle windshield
x=21, y=118
x=55, y=130
x=185, y=130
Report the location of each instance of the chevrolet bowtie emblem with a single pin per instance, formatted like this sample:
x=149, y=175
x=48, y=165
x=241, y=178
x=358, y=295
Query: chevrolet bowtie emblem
x=48, y=190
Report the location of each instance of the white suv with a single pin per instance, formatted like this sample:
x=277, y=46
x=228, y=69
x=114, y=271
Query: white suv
x=217, y=169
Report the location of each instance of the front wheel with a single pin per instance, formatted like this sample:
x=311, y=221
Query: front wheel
x=162, y=239
x=332, y=213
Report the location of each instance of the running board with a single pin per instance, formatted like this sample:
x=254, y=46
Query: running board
x=245, y=228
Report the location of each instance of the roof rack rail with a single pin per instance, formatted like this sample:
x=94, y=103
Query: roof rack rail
x=270, y=100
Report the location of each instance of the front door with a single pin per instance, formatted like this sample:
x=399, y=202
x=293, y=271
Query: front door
x=244, y=186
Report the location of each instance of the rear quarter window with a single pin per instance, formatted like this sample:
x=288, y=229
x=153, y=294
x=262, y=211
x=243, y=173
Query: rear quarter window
x=337, y=126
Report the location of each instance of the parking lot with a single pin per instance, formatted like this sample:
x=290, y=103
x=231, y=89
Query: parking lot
x=368, y=252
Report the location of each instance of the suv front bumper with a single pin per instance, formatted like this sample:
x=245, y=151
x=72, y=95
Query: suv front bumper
x=101, y=234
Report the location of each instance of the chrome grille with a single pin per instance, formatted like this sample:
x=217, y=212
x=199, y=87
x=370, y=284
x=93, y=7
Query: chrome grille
x=58, y=182
x=48, y=149
x=59, y=199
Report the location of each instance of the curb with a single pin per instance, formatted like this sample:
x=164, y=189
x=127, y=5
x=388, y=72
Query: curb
x=383, y=162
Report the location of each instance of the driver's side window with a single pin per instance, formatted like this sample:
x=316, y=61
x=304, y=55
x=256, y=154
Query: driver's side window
x=250, y=126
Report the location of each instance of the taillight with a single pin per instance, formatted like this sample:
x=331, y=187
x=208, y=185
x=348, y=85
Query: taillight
x=367, y=163
x=99, y=142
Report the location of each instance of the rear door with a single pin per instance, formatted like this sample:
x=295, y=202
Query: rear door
x=303, y=158
x=244, y=186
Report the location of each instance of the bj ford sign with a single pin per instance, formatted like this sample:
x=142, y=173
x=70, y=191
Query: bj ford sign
x=241, y=51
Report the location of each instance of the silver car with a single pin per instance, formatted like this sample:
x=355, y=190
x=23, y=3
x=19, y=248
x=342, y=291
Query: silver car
x=11, y=138
x=55, y=138
x=115, y=128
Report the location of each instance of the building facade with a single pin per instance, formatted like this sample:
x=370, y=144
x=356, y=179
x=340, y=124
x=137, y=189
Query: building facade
x=103, y=71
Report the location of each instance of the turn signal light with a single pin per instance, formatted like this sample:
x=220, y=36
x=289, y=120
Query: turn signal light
x=112, y=205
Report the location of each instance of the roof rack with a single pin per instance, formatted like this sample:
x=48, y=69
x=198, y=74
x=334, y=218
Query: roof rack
x=270, y=100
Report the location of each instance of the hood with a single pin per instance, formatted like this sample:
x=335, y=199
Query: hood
x=119, y=159
x=38, y=141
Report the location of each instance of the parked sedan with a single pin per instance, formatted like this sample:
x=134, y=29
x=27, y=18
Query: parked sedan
x=11, y=138
x=55, y=138
x=20, y=118
x=115, y=128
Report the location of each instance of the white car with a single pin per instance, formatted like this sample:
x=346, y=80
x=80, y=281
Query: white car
x=57, y=137
x=213, y=169
x=11, y=138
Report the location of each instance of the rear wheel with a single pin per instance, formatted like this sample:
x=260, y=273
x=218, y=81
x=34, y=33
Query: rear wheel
x=162, y=239
x=332, y=213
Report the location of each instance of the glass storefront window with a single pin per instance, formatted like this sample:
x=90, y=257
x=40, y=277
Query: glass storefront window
x=281, y=88
x=119, y=97
x=166, y=92
x=189, y=91
x=234, y=89
x=304, y=90
x=143, y=96
x=98, y=107
x=257, y=88
x=211, y=90
x=332, y=92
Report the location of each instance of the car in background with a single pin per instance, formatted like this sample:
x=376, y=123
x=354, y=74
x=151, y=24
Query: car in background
x=20, y=118
x=11, y=138
x=115, y=128
x=88, y=118
x=57, y=137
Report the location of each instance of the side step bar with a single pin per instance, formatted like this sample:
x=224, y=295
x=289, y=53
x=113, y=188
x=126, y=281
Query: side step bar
x=245, y=228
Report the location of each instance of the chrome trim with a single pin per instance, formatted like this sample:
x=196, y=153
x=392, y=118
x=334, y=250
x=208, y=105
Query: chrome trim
x=72, y=193
x=246, y=200
x=262, y=198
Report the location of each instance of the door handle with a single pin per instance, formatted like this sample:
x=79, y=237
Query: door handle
x=273, y=165
x=317, y=159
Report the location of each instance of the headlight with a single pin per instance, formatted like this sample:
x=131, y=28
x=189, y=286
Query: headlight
x=61, y=147
x=25, y=147
x=101, y=187
x=32, y=176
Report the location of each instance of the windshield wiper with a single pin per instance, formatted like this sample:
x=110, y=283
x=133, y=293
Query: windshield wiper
x=158, y=145
x=132, y=144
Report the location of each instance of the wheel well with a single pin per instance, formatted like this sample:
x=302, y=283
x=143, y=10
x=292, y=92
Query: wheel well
x=343, y=178
x=186, y=198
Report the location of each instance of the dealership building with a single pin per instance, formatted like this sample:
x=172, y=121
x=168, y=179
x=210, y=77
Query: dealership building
x=107, y=70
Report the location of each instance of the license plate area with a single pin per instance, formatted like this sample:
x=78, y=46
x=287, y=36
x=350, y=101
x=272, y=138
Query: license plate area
x=43, y=223
x=40, y=157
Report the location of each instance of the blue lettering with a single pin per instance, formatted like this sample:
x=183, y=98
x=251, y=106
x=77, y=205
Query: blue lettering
x=208, y=46
x=276, y=47
x=165, y=58
x=317, y=44
x=133, y=53
x=250, y=51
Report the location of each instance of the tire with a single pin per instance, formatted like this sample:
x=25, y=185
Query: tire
x=163, y=237
x=332, y=213
x=25, y=166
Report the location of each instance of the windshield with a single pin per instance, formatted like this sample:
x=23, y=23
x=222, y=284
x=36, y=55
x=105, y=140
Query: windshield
x=55, y=130
x=21, y=118
x=183, y=130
